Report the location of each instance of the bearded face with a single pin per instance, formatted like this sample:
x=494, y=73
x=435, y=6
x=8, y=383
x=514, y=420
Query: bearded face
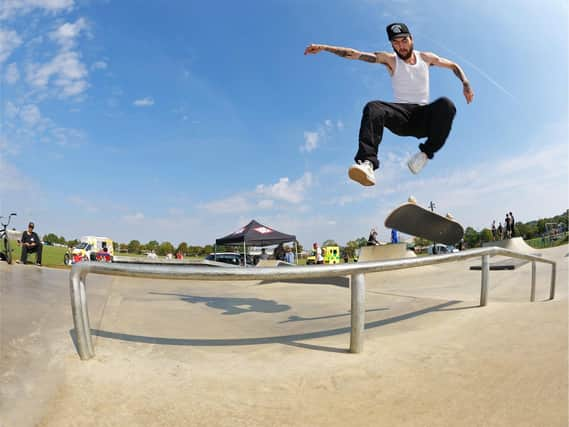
x=403, y=47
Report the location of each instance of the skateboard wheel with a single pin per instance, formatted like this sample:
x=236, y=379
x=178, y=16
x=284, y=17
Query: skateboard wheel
x=449, y=216
x=412, y=199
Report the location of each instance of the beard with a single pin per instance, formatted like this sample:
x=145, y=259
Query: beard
x=406, y=56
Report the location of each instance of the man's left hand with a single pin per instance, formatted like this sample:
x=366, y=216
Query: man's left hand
x=468, y=92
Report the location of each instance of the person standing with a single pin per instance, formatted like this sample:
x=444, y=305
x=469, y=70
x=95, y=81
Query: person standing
x=494, y=230
x=289, y=255
x=512, y=224
x=31, y=243
x=394, y=236
x=500, y=231
x=508, y=229
x=279, y=252
x=318, y=253
x=412, y=113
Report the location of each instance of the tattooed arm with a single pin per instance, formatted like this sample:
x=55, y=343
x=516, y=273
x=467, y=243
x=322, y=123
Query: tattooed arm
x=432, y=59
x=384, y=58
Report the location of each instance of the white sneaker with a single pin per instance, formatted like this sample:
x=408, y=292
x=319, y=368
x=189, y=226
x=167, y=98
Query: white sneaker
x=363, y=173
x=417, y=162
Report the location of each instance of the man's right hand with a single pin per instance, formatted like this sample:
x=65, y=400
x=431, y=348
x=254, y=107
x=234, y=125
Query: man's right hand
x=313, y=49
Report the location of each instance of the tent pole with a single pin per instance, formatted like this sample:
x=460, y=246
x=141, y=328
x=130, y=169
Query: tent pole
x=215, y=251
x=244, y=254
x=296, y=250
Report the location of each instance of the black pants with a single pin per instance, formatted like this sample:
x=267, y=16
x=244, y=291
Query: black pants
x=27, y=250
x=432, y=121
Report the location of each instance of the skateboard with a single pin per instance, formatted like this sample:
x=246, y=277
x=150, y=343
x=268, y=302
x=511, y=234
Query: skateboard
x=410, y=218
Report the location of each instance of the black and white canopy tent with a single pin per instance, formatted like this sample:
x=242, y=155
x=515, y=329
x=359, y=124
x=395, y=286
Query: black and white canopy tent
x=255, y=234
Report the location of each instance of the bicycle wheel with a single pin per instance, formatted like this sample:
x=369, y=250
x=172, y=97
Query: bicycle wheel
x=8, y=251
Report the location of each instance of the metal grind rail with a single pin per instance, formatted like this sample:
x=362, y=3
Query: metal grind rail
x=356, y=271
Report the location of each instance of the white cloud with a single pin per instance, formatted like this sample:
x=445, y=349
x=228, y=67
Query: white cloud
x=84, y=205
x=135, y=218
x=9, y=40
x=232, y=204
x=292, y=192
x=144, y=102
x=30, y=115
x=310, y=141
x=264, y=197
x=9, y=8
x=66, y=34
x=266, y=204
x=12, y=73
x=66, y=71
x=99, y=65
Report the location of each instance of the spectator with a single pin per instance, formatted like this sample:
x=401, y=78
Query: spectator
x=507, y=221
x=279, y=252
x=318, y=253
x=494, y=231
x=394, y=236
x=31, y=243
x=264, y=254
x=372, y=239
x=289, y=255
x=512, y=224
x=500, y=231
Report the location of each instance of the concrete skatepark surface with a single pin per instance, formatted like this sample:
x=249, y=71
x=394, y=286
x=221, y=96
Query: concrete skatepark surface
x=268, y=353
x=381, y=252
x=514, y=244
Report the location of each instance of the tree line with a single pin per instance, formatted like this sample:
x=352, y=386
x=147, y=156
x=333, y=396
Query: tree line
x=472, y=238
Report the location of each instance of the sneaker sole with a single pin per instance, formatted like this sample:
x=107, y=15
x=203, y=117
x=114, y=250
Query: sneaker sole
x=360, y=177
x=414, y=172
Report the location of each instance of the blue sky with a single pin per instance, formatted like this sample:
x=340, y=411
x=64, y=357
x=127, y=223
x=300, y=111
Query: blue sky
x=183, y=120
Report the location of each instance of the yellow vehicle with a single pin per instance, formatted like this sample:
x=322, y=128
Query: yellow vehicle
x=331, y=254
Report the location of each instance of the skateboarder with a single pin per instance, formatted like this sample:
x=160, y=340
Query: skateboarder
x=411, y=114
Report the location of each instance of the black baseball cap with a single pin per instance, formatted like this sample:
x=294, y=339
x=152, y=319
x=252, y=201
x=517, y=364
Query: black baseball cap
x=397, y=29
x=31, y=224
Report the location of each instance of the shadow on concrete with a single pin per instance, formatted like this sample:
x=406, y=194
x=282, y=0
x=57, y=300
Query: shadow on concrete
x=343, y=282
x=331, y=316
x=282, y=339
x=233, y=305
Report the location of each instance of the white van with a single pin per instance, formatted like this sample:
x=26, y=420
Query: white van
x=89, y=246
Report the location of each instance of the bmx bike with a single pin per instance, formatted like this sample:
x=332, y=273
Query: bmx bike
x=5, y=240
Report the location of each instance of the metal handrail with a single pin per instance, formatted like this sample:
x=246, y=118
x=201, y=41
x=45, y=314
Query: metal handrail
x=78, y=274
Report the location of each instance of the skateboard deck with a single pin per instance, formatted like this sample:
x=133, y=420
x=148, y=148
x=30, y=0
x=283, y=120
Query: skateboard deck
x=410, y=218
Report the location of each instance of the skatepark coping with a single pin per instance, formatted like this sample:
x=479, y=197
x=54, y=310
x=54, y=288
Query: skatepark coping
x=79, y=272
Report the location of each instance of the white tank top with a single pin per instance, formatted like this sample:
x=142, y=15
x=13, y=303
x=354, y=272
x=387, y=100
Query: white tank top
x=411, y=82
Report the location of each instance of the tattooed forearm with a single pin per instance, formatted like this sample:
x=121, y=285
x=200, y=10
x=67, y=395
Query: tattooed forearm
x=340, y=51
x=349, y=53
x=460, y=74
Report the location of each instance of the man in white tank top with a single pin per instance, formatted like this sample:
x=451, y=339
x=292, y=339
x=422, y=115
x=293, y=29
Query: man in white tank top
x=412, y=114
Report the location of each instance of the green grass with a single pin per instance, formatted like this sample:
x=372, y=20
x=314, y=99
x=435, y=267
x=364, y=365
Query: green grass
x=52, y=256
x=541, y=243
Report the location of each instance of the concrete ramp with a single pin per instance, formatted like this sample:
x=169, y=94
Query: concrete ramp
x=514, y=244
x=273, y=263
x=381, y=252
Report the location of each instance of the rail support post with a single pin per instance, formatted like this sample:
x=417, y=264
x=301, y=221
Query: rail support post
x=533, y=276
x=81, y=315
x=485, y=279
x=552, y=289
x=357, y=288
